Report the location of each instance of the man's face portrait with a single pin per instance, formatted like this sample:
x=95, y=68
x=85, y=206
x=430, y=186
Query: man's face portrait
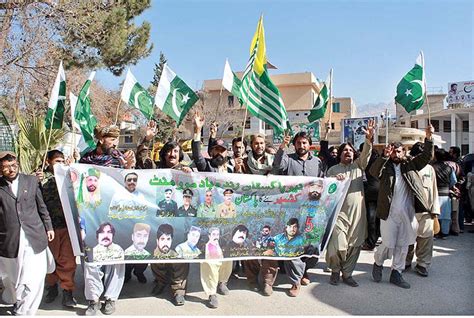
x=172, y=157
x=108, y=143
x=208, y=198
x=105, y=237
x=214, y=237
x=302, y=146
x=9, y=169
x=193, y=237
x=187, y=200
x=228, y=198
x=315, y=190
x=397, y=154
x=238, y=149
x=239, y=237
x=168, y=195
x=92, y=182
x=291, y=230
x=140, y=239
x=164, y=243
x=333, y=153
x=258, y=146
x=265, y=231
x=131, y=182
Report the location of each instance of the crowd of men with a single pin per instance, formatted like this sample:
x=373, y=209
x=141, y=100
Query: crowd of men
x=395, y=195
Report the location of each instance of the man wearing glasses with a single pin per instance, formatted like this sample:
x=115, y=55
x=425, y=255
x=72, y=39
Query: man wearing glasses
x=25, y=229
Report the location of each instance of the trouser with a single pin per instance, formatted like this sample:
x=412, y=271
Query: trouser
x=455, y=215
x=297, y=268
x=398, y=254
x=424, y=242
x=213, y=273
x=65, y=260
x=445, y=225
x=343, y=260
x=461, y=216
x=137, y=269
x=373, y=224
x=175, y=274
x=267, y=270
x=103, y=279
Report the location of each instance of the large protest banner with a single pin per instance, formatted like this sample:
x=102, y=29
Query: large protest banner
x=353, y=130
x=147, y=216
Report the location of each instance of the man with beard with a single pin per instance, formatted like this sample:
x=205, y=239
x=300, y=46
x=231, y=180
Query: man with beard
x=238, y=147
x=167, y=207
x=105, y=279
x=350, y=230
x=218, y=273
x=187, y=209
x=227, y=208
x=174, y=274
x=136, y=251
x=26, y=229
x=290, y=241
x=106, y=153
x=300, y=163
x=258, y=160
x=106, y=249
x=238, y=245
x=401, y=195
x=265, y=240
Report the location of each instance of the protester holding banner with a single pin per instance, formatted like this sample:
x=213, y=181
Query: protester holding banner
x=258, y=160
x=300, y=163
x=61, y=245
x=424, y=237
x=214, y=274
x=26, y=228
x=105, y=279
x=350, y=230
x=401, y=195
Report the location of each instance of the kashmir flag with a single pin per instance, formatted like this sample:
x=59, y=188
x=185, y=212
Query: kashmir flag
x=231, y=82
x=135, y=95
x=258, y=92
x=83, y=114
x=321, y=103
x=55, y=115
x=173, y=96
x=411, y=89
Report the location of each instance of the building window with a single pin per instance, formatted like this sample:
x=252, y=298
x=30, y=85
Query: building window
x=333, y=126
x=230, y=101
x=446, y=126
x=414, y=124
x=465, y=126
x=435, y=124
x=128, y=139
x=464, y=149
x=247, y=123
x=336, y=107
x=402, y=123
x=297, y=114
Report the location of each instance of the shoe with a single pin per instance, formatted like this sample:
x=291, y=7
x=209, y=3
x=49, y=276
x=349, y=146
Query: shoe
x=334, y=279
x=420, y=270
x=213, y=303
x=158, y=289
x=377, y=273
x=267, y=290
x=127, y=278
x=294, y=290
x=222, y=288
x=14, y=311
x=109, y=307
x=253, y=286
x=179, y=300
x=397, y=279
x=366, y=247
x=327, y=270
x=350, y=281
x=141, y=278
x=68, y=299
x=52, y=293
x=92, y=308
x=305, y=281
x=407, y=268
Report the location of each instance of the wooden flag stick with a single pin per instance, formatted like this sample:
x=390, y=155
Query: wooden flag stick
x=426, y=92
x=117, y=112
x=49, y=140
x=330, y=96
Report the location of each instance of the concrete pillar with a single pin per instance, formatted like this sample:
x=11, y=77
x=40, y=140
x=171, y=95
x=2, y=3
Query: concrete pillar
x=471, y=132
x=453, y=130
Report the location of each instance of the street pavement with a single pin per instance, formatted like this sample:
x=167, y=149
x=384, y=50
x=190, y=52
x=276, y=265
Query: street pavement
x=448, y=290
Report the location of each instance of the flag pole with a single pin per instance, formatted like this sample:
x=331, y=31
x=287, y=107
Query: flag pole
x=49, y=139
x=426, y=92
x=117, y=112
x=73, y=132
x=330, y=103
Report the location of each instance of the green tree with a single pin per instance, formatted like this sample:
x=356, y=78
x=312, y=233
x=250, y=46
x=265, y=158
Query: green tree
x=158, y=70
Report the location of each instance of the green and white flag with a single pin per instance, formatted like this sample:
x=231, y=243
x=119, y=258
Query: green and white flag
x=55, y=115
x=259, y=93
x=321, y=103
x=136, y=96
x=231, y=82
x=411, y=89
x=83, y=113
x=173, y=96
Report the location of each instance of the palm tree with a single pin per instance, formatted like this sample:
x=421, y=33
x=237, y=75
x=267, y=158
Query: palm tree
x=32, y=141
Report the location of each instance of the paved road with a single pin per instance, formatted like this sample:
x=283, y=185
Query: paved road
x=449, y=290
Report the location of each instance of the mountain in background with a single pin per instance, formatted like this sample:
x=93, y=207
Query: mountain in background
x=375, y=109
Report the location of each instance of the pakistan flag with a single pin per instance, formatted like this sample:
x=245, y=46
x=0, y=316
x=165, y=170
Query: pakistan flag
x=136, y=96
x=411, y=89
x=173, y=96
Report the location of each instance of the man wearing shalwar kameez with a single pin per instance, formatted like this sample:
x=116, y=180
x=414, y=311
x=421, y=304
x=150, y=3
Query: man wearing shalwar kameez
x=350, y=230
x=25, y=229
x=401, y=195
